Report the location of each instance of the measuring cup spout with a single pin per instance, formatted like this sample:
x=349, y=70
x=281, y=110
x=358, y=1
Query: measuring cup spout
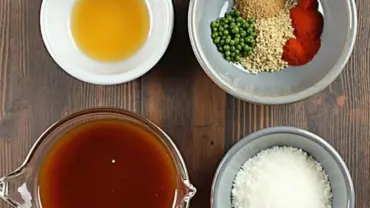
x=191, y=191
x=13, y=189
x=188, y=193
x=2, y=188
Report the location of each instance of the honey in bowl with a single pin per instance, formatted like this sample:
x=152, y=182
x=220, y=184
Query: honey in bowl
x=110, y=30
x=108, y=163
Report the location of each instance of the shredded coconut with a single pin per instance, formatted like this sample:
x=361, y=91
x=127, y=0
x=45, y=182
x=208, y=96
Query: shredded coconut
x=281, y=177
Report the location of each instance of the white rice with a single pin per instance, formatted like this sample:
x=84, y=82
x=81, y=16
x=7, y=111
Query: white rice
x=281, y=177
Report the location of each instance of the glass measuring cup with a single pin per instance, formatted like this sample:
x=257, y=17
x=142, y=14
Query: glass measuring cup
x=21, y=188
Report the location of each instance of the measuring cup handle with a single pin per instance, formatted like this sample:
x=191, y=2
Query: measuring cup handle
x=13, y=189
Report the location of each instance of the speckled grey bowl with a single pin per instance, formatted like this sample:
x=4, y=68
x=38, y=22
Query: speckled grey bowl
x=335, y=167
x=290, y=85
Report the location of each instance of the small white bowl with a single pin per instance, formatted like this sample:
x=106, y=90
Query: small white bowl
x=55, y=20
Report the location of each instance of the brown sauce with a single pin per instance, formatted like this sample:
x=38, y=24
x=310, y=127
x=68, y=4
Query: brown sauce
x=107, y=163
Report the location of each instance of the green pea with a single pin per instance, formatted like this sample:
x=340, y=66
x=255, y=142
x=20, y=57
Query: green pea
x=242, y=44
x=226, y=21
x=220, y=28
x=239, y=47
x=228, y=41
x=238, y=24
x=232, y=48
x=217, y=40
x=227, y=53
x=253, y=44
x=226, y=32
x=235, y=30
x=226, y=47
x=214, y=35
x=241, y=30
x=237, y=58
x=229, y=18
x=237, y=40
x=237, y=51
x=236, y=13
x=239, y=19
x=228, y=59
x=220, y=49
x=243, y=34
x=249, y=53
x=229, y=37
x=232, y=54
x=251, y=20
x=247, y=48
x=253, y=34
x=214, y=29
x=232, y=42
x=222, y=42
x=250, y=30
x=232, y=25
x=214, y=24
x=237, y=36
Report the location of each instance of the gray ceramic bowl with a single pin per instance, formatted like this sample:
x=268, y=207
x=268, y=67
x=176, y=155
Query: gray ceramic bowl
x=290, y=85
x=339, y=176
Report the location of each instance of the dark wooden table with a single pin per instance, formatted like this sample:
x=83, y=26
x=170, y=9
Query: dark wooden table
x=177, y=95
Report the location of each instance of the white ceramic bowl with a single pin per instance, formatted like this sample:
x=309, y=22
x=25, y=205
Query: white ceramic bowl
x=55, y=16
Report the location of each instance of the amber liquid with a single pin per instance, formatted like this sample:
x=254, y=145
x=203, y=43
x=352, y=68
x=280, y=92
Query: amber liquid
x=108, y=164
x=110, y=30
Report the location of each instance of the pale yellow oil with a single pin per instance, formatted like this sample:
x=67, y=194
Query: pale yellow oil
x=110, y=30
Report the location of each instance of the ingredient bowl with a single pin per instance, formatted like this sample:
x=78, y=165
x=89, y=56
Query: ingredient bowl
x=320, y=150
x=289, y=85
x=21, y=188
x=55, y=21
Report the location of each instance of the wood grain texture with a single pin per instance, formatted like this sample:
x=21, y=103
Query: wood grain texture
x=202, y=120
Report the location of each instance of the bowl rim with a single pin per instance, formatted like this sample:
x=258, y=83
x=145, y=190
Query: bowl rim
x=119, y=78
x=289, y=130
x=284, y=99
